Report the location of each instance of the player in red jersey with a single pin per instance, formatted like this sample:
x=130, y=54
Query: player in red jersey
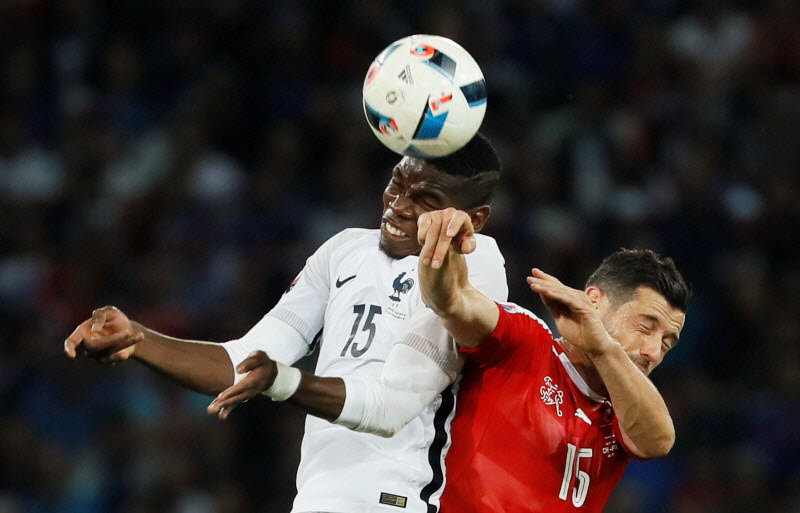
x=546, y=424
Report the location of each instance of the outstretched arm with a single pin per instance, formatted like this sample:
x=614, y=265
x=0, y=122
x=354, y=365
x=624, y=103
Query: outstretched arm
x=109, y=336
x=446, y=235
x=644, y=420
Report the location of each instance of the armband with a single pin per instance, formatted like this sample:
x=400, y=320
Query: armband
x=287, y=380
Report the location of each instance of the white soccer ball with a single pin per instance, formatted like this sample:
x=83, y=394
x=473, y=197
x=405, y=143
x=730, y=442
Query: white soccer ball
x=424, y=96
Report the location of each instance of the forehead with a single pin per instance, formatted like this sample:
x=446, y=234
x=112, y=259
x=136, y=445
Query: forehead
x=416, y=169
x=648, y=302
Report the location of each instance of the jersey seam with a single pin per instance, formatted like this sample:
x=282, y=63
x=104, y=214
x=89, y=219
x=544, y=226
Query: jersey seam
x=293, y=320
x=429, y=349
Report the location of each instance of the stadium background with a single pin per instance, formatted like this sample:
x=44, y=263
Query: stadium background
x=182, y=159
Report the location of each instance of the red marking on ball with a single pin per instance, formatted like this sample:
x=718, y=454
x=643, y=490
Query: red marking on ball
x=422, y=50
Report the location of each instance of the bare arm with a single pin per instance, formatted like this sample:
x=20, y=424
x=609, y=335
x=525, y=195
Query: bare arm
x=201, y=366
x=321, y=397
x=467, y=314
x=644, y=420
x=110, y=336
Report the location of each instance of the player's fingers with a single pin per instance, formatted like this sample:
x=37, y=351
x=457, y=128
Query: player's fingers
x=575, y=296
x=461, y=229
x=431, y=239
x=103, y=346
x=459, y=223
x=215, y=407
x=232, y=391
x=562, y=295
x=538, y=285
x=542, y=278
x=222, y=405
x=123, y=343
x=99, y=319
x=212, y=408
x=443, y=239
x=71, y=345
x=541, y=275
x=468, y=245
x=229, y=402
x=538, y=273
x=225, y=412
x=75, y=339
x=423, y=223
x=256, y=359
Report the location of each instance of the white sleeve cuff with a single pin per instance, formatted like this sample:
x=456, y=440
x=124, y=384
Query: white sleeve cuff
x=354, y=402
x=280, y=341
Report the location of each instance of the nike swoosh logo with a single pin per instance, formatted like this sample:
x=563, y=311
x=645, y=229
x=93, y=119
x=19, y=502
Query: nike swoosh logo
x=339, y=282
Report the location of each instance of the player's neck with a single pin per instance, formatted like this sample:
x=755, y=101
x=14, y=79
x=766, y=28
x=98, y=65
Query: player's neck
x=585, y=368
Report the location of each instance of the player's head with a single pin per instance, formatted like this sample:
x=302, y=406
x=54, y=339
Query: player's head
x=642, y=299
x=465, y=180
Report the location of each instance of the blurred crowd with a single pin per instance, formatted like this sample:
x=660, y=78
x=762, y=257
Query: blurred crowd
x=181, y=159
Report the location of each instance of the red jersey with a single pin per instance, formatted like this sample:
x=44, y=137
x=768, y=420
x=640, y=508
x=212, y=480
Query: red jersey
x=529, y=435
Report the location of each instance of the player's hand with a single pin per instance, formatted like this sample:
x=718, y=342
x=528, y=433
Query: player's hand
x=261, y=372
x=576, y=316
x=440, y=230
x=107, y=336
x=445, y=236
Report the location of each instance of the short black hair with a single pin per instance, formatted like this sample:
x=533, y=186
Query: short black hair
x=477, y=162
x=624, y=271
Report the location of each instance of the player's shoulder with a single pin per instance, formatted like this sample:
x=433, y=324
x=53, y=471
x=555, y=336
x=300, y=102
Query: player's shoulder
x=513, y=309
x=354, y=233
x=351, y=237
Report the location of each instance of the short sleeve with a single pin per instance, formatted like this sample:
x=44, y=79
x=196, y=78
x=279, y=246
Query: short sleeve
x=303, y=304
x=518, y=331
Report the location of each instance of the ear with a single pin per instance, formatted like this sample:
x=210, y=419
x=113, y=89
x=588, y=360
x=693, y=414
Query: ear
x=479, y=216
x=596, y=295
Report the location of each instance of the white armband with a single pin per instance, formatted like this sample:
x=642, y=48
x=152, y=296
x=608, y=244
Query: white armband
x=287, y=380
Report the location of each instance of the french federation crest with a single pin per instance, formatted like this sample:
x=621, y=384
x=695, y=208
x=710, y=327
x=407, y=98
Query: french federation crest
x=551, y=394
x=401, y=286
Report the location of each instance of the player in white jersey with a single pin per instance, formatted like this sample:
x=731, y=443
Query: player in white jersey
x=358, y=293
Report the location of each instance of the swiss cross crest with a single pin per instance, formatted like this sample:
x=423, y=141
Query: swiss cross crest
x=551, y=394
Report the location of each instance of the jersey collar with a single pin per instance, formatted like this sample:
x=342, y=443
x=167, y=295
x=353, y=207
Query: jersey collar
x=577, y=378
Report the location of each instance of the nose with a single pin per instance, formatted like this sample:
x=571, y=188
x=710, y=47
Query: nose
x=651, y=349
x=402, y=206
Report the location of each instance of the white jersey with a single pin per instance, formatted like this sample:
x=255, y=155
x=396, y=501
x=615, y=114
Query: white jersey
x=358, y=299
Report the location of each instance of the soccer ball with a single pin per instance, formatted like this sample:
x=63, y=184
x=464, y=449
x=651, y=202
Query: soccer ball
x=424, y=96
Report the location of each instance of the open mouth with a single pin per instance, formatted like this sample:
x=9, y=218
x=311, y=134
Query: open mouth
x=393, y=231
